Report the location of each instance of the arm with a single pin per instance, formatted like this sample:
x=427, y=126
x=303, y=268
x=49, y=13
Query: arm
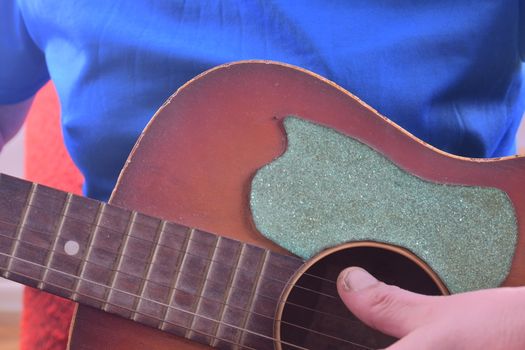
x=12, y=117
x=486, y=319
x=23, y=69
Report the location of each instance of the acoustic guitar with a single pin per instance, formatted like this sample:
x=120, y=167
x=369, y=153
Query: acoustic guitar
x=186, y=254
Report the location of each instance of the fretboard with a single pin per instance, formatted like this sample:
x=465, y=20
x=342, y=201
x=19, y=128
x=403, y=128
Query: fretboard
x=207, y=288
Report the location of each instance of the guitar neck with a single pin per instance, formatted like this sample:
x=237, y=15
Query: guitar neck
x=198, y=285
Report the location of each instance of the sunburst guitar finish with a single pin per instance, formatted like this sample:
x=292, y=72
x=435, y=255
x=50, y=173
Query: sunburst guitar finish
x=194, y=165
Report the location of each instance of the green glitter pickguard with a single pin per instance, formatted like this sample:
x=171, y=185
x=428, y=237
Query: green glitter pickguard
x=328, y=189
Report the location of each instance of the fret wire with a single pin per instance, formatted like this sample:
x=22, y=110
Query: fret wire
x=148, y=241
x=177, y=275
x=329, y=296
x=21, y=224
x=227, y=296
x=51, y=252
x=180, y=272
x=179, y=309
x=173, y=289
x=143, y=281
x=102, y=300
x=178, y=250
x=144, y=239
x=247, y=315
x=162, y=245
x=119, y=255
x=91, y=238
x=149, y=262
x=202, y=287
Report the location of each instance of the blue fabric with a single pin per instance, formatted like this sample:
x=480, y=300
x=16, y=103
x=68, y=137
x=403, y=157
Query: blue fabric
x=448, y=71
x=22, y=63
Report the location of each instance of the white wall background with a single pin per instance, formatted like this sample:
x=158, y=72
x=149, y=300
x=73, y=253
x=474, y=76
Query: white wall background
x=12, y=163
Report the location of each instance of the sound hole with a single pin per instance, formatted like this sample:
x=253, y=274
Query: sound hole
x=315, y=318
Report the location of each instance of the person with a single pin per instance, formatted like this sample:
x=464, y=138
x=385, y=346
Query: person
x=485, y=319
x=449, y=72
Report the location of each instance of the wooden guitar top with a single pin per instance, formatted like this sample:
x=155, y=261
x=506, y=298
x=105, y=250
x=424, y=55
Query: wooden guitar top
x=195, y=160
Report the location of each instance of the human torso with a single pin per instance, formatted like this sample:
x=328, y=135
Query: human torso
x=447, y=71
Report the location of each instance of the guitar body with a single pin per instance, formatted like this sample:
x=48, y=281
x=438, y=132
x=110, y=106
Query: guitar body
x=195, y=161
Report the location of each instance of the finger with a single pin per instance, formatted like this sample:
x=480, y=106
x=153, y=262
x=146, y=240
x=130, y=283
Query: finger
x=428, y=338
x=389, y=309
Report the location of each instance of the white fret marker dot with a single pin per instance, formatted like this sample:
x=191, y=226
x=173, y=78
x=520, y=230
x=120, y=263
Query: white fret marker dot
x=71, y=247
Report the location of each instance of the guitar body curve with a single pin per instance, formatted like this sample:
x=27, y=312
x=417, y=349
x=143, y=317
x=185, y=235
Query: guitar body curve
x=195, y=160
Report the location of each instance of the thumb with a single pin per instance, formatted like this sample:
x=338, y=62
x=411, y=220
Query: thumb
x=389, y=309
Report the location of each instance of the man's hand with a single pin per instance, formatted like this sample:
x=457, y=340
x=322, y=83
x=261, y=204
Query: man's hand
x=492, y=319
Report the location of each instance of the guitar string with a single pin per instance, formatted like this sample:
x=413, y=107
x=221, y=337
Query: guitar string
x=220, y=322
x=172, y=307
x=128, y=309
x=108, y=216
x=124, y=235
x=183, y=273
x=258, y=294
x=173, y=288
x=149, y=263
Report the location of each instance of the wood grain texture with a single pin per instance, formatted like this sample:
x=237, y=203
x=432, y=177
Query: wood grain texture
x=207, y=297
x=194, y=163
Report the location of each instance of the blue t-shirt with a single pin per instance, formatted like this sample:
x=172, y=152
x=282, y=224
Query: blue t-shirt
x=449, y=71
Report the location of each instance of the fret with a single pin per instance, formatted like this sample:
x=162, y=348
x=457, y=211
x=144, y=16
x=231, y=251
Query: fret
x=220, y=275
x=200, y=327
x=191, y=283
x=113, y=219
x=142, y=311
x=76, y=296
x=248, y=338
x=16, y=243
x=14, y=195
x=279, y=269
x=83, y=210
x=227, y=336
x=192, y=277
x=124, y=295
x=241, y=290
x=49, y=198
x=136, y=253
x=175, y=318
x=54, y=244
x=282, y=267
x=163, y=272
x=7, y=243
x=120, y=251
x=60, y=279
x=7, y=231
x=265, y=302
x=105, y=250
x=23, y=268
x=38, y=230
x=241, y=295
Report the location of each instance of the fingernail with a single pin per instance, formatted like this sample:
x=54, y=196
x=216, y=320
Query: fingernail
x=356, y=279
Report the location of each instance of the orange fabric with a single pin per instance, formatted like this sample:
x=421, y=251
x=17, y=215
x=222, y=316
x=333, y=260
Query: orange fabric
x=46, y=318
